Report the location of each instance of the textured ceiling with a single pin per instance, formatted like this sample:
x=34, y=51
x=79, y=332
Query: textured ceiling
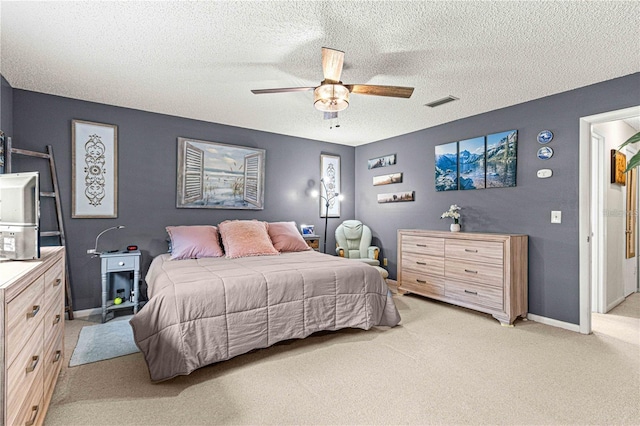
x=201, y=59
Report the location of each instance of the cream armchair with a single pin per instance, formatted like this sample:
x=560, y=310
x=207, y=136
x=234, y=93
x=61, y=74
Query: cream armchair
x=353, y=241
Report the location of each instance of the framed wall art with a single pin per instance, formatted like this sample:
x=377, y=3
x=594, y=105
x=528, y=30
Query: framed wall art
x=446, y=166
x=471, y=163
x=396, y=197
x=618, y=166
x=94, y=161
x=387, y=179
x=330, y=185
x=214, y=175
x=384, y=161
x=501, y=159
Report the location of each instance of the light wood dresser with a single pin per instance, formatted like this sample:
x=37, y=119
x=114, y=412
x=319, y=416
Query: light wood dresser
x=485, y=272
x=32, y=327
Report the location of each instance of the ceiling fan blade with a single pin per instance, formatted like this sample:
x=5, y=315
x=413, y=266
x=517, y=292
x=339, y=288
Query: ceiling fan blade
x=332, y=62
x=281, y=90
x=368, y=89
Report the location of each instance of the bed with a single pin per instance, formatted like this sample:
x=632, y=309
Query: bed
x=205, y=310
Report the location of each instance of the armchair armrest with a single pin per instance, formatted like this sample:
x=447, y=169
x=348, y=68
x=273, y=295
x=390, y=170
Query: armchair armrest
x=374, y=252
x=340, y=251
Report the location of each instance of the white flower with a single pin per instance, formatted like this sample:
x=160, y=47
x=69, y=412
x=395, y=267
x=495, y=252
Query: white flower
x=453, y=213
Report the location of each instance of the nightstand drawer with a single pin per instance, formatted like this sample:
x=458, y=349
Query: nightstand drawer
x=124, y=263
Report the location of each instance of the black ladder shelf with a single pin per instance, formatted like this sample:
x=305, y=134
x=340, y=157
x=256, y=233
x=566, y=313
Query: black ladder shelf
x=56, y=197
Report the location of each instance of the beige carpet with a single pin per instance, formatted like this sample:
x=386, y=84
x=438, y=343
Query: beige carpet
x=443, y=365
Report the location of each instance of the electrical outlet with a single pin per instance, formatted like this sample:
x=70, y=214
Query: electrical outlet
x=384, y=261
x=556, y=216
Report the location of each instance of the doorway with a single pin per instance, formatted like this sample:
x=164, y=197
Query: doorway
x=592, y=223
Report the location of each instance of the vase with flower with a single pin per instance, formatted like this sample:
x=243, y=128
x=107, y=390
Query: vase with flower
x=453, y=213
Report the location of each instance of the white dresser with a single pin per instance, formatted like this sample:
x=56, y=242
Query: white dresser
x=32, y=324
x=485, y=272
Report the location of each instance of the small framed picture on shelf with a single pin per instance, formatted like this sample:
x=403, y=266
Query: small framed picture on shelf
x=307, y=229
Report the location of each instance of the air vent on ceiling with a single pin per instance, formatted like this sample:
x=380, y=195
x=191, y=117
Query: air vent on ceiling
x=441, y=101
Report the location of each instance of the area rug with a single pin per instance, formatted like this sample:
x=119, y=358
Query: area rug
x=103, y=341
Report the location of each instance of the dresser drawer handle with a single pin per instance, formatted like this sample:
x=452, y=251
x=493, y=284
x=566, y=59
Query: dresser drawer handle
x=471, y=251
x=34, y=416
x=57, y=282
x=120, y=263
x=421, y=263
x=471, y=292
x=34, y=311
x=34, y=360
x=56, y=319
x=421, y=245
x=470, y=271
x=57, y=357
x=421, y=281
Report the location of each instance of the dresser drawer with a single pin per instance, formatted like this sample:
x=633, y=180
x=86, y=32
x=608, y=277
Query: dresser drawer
x=476, y=294
x=423, y=245
x=124, y=263
x=422, y=284
x=24, y=313
x=476, y=251
x=423, y=264
x=474, y=272
x=24, y=372
x=32, y=410
x=53, y=321
x=53, y=280
x=53, y=358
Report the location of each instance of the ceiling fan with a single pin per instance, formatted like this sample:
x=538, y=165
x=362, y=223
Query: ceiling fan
x=332, y=95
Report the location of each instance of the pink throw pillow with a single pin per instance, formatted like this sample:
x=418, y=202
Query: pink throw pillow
x=194, y=242
x=243, y=238
x=285, y=237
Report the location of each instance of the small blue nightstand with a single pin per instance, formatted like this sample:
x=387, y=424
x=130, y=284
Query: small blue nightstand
x=114, y=262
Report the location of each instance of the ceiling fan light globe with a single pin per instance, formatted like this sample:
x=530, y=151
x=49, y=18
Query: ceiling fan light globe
x=331, y=97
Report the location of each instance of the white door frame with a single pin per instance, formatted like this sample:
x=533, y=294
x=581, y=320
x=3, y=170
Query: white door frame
x=598, y=230
x=584, y=207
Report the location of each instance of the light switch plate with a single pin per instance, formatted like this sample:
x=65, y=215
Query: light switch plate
x=556, y=216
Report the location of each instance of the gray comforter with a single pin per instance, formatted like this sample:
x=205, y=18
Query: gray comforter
x=202, y=311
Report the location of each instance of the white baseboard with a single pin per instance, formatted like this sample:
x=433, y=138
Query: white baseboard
x=613, y=304
x=85, y=313
x=554, y=323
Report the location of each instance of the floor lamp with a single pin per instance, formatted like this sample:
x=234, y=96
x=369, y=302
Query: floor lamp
x=327, y=198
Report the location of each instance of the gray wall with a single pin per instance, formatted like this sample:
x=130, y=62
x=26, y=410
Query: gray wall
x=147, y=146
x=525, y=209
x=6, y=107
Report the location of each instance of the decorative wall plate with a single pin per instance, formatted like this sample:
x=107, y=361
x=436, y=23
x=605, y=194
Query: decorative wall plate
x=545, y=136
x=545, y=153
